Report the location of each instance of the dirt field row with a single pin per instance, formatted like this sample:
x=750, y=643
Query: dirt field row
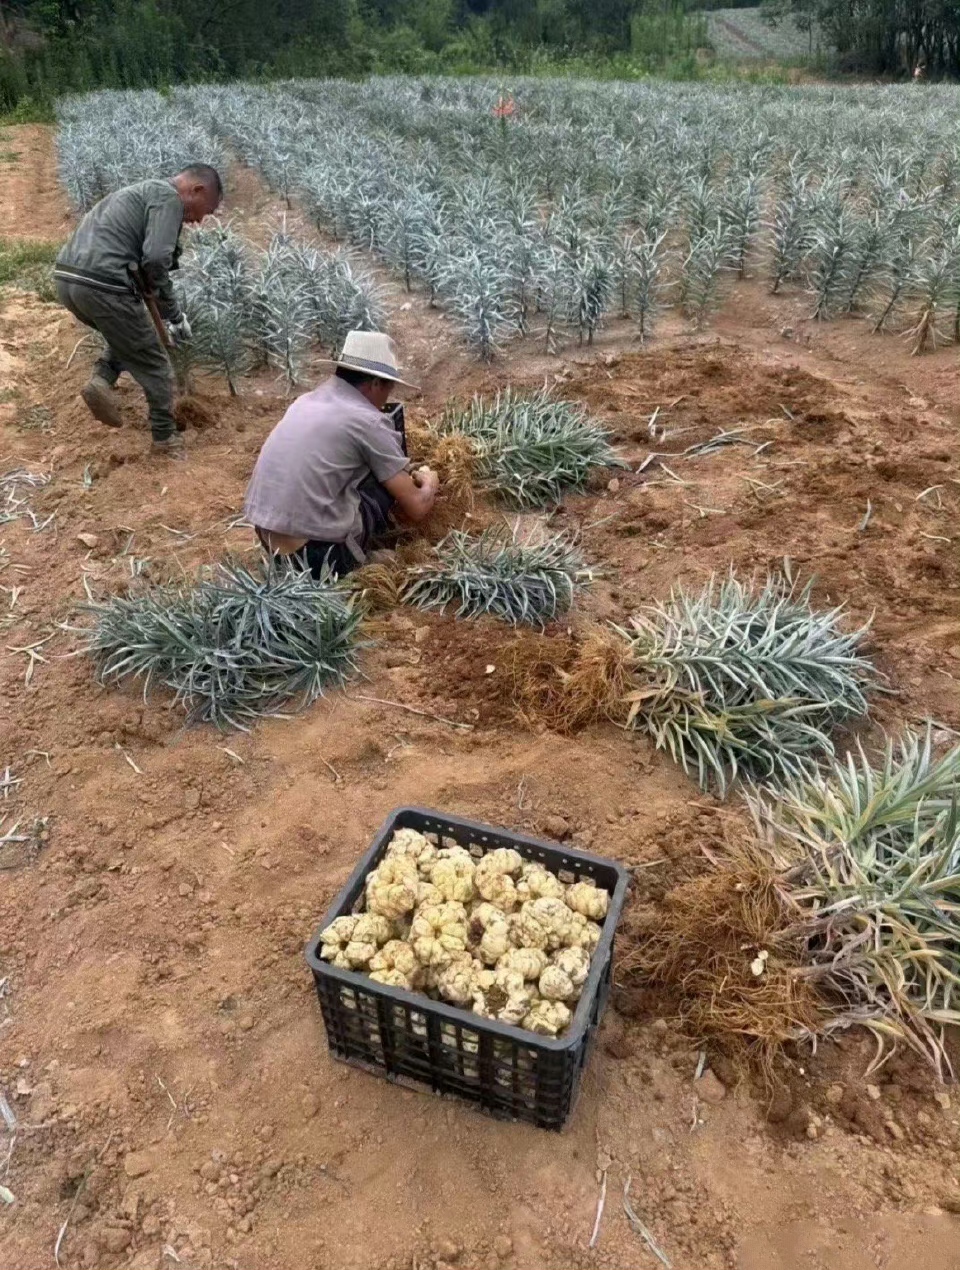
x=159, y=1041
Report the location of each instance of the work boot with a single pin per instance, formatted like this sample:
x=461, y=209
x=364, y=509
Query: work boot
x=101, y=401
x=172, y=447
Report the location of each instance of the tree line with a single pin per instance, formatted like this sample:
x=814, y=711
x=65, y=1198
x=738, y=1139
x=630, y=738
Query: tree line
x=884, y=37
x=49, y=47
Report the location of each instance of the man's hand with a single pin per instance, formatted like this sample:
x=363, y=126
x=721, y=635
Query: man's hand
x=180, y=332
x=415, y=492
x=425, y=478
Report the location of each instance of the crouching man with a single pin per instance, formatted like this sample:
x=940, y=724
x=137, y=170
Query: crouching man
x=334, y=468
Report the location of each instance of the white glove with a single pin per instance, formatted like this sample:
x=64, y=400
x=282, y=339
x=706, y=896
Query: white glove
x=180, y=332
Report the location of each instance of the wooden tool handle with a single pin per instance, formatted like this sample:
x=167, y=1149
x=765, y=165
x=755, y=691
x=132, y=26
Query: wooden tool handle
x=149, y=299
x=158, y=321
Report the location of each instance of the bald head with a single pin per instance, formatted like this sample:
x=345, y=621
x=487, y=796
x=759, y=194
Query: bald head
x=200, y=190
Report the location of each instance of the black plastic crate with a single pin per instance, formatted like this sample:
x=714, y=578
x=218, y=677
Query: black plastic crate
x=409, y=1037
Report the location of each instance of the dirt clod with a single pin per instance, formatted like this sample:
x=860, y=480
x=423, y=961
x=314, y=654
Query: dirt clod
x=709, y=1088
x=137, y=1164
x=115, y=1239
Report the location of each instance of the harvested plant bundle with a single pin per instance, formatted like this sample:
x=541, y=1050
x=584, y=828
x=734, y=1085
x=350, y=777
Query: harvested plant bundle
x=232, y=645
x=567, y=683
x=498, y=935
x=531, y=449
x=869, y=863
x=744, y=681
x=499, y=574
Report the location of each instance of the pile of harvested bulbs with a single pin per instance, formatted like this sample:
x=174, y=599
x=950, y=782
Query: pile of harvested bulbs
x=501, y=936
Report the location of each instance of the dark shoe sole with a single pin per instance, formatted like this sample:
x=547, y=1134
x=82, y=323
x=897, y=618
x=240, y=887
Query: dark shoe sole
x=101, y=404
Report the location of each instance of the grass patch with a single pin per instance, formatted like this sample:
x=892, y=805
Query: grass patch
x=29, y=110
x=27, y=263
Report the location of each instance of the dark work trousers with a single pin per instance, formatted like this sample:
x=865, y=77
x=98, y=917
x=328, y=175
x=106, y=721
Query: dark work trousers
x=132, y=345
x=375, y=505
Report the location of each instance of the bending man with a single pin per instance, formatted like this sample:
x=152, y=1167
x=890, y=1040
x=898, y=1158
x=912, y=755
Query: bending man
x=127, y=245
x=334, y=467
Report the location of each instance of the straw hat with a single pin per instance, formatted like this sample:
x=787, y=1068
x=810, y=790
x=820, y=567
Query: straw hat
x=373, y=353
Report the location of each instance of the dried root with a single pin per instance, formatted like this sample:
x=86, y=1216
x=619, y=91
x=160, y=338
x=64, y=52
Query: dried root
x=567, y=685
x=718, y=947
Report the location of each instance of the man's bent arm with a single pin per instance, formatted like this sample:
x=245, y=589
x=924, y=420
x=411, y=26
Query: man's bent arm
x=164, y=218
x=415, y=501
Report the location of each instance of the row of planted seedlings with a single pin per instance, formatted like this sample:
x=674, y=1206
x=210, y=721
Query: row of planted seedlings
x=745, y=683
x=250, y=308
x=511, y=227
x=611, y=200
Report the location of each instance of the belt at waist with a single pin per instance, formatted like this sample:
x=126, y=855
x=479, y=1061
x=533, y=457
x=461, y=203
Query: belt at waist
x=84, y=278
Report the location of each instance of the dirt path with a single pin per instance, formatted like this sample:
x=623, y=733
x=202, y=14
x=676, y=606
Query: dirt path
x=748, y=43
x=159, y=1041
x=32, y=204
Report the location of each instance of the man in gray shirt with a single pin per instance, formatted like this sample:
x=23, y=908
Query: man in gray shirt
x=334, y=467
x=125, y=245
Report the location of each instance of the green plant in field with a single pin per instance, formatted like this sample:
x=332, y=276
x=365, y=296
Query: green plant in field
x=740, y=680
x=740, y=213
x=109, y=139
x=868, y=856
x=637, y=267
x=531, y=449
x=700, y=208
x=478, y=291
x=790, y=228
x=283, y=313
x=500, y=575
x=28, y=263
x=702, y=269
x=232, y=645
x=590, y=286
x=895, y=277
x=273, y=305
x=215, y=288
x=833, y=246
x=870, y=253
x=935, y=289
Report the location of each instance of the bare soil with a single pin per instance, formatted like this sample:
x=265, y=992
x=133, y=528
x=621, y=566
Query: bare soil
x=159, y=1041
